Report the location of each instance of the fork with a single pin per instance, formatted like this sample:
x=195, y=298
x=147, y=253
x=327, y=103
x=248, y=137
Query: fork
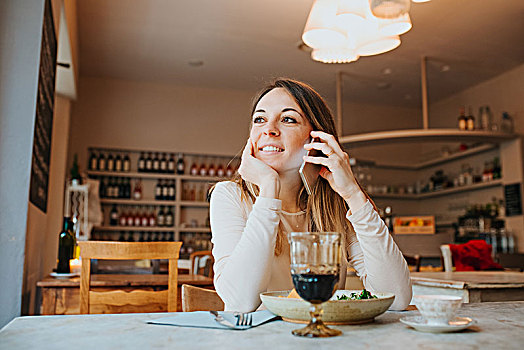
x=244, y=319
x=222, y=320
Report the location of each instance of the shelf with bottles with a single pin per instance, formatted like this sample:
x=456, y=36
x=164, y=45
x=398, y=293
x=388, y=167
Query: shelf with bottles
x=195, y=241
x=437, y=193
x=135, y=228
x=133, y=236
x=160, y=164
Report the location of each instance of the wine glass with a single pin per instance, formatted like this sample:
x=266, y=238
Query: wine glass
x=315, y=266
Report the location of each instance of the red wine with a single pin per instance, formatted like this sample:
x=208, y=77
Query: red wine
x=315, y=288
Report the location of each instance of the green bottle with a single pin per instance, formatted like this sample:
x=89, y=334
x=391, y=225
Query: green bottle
x=66, y=246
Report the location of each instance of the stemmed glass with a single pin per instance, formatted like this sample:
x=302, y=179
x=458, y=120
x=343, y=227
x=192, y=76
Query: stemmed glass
x=315, y=266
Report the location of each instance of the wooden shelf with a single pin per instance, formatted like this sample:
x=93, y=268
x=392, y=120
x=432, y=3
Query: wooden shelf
x=135, y=202
x=439, y=160
x=424, y=135
x=195, y=229
x=193, y=204
x=135, y=228
x=447, y=191
x=155, y=176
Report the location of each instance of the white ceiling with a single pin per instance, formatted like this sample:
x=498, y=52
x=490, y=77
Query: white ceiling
x=244, y=43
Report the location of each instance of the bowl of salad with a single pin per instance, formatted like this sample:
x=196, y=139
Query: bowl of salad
x=345, y=307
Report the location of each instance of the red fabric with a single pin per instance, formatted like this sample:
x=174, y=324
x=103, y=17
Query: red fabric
x=474, y=255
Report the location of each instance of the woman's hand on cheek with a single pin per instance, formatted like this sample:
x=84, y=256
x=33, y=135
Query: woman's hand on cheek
x=259, y=173
x=336, y=169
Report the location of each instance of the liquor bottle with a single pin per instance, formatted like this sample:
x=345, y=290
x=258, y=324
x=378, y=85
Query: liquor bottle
x=141, y=163
x=211, y=171
x=127, y=188
x=122, y=220
x=110, y=164
x=144, y=220
x=126, y=164
x=149, y=163
x=66, y=246
x=113, y=216
x=172, y=191
x=220, y=170
x=158, y=190
x=229, y=170
x=152, y=218
x=101, y=162
x=165, y=191
x=497, y=171
x=470, y=120
x=203, y=169
x=180, y=165
x=118, y=191
x=103, y=188
x=484, y=118
x=137, y=191
x=169, y=218
x=137, y=220
x=109, y=188
x=156, y=164
x=163, y=163
x=118, y=162
x=462, y=119
x=130, y=220
x=194, y=169
x=171, y=164
x=93, y=162
x=160, y=218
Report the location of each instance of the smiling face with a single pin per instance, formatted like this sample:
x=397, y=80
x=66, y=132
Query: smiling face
x=279, y=131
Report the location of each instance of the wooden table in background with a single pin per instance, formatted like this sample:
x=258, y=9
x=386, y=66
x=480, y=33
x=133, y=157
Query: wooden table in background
x=472, y=286
x=62, y=296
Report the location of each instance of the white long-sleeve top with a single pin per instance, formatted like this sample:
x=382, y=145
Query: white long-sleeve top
x=244, y=236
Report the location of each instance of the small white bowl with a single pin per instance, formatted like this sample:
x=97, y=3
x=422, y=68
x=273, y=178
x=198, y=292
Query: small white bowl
x=437, y=309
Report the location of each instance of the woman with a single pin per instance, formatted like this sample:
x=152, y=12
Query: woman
x=251, y=215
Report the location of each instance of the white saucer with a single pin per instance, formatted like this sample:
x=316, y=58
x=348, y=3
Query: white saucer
x=64, y=275
x=420, y=324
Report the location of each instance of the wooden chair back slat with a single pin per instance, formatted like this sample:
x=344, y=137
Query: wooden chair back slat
x=200, y=299
x=195, y=259
x=128, y=251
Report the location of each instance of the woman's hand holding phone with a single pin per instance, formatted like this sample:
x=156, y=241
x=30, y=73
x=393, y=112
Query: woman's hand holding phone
x=259, y=173
x=336, y=169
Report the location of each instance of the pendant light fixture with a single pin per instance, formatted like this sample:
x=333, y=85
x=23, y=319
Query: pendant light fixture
x=340, y=31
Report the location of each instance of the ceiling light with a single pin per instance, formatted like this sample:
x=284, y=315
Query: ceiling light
x=386, y=71
x=420, y=1
x=340, y=31
x=389, y=8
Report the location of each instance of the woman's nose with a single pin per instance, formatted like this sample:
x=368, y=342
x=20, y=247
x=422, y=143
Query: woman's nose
x=272, y=130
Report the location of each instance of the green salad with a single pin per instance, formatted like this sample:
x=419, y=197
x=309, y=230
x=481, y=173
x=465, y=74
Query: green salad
x=356, y=296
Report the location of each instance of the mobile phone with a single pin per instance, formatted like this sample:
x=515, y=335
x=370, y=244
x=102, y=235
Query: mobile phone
x=309, y=172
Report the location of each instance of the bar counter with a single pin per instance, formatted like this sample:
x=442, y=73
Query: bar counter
x=499, y=326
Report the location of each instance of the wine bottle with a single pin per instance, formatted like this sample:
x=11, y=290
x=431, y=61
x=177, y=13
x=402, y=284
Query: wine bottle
x=160, y=218
x=137, y=191
x=118, y=162
x=123, y=218
x=137, y=220
x=93, y=162
x=172, y=191
x=171, y=164
x=169, y=218
x=229, y=170
x=194, y=169
x=220, y=170
x=149, y=163
x=165, y=191
x=127, y=189
x=101, y=162
x=66, y=246
x=113, y=217
x=156, y=164
x=130, y=218
x=126, y=164
x=203, y=169
x=462, y=119
x=211, y=171
x=158, y=190
x=180, y=165
x=110, y=165
x=141, y=163
x=144, y=220
x=470, y=120
x=163, y=163
x=152, y=218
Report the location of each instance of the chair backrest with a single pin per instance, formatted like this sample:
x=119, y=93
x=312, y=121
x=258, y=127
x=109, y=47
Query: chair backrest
x=202, y=263
x=447, y=258
x=200, y=299
x=413, y=261
x=128, y=251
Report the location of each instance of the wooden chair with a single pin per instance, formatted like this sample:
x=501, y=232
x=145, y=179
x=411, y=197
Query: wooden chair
x=200, y=299
x=413, y=261
x=197, y=268
x=447, y=258
x=128, y=251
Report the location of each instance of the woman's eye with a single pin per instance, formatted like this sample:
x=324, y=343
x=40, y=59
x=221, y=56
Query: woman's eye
x=289, y=119
x=257, y=120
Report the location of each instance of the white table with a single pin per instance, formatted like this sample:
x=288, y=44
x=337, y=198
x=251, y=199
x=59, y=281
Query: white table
x=500, y=326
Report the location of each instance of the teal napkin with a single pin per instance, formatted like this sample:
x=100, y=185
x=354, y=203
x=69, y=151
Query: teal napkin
x=204, y=319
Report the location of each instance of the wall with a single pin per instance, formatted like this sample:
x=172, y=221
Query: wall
x=20, y=40
x=41, y=248
x=139, y=115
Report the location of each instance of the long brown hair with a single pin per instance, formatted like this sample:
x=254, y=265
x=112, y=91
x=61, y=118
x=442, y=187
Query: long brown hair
x=325, y=209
